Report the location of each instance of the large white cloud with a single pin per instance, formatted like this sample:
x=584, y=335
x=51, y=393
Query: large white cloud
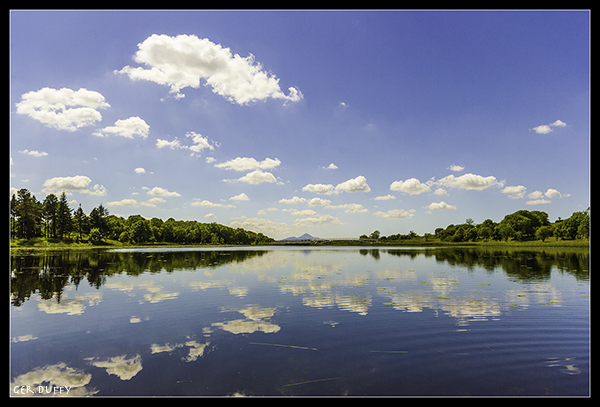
x=358, y=184
x=469, y=181
x=133, y=126
x=78, y=183
x=158, y=191
x=436, y=206
x=516, y=192
x=249, y=163
x=63, y=109
x=184, y=60
x=411, y=186
x=323, y=189
x=257, y=177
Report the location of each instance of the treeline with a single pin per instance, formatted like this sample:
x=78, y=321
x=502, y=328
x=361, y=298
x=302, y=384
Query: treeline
x=54, y=219
x=520, y=226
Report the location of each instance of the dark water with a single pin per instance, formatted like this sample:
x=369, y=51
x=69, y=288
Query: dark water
x=291, y=321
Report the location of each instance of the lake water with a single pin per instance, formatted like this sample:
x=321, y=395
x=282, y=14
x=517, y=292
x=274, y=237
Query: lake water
x=300, y=321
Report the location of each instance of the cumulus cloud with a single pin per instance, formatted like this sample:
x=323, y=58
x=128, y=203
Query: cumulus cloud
x=306, y=212
x=547, y=128
x=331, y=166
x=78, y=183
x=436, y=206
x=537, y=202
x=34, y=153
x=158, y=191
x=63, y=109
x=293, y=200
x=469, y=181
x=318, y=202
x=240, y=197
x=396, y=214
x=208, y=204
x=440, y=192
x=358, y=184
x=317, y=221
x=323, y=189
x=260, y=225
x=412, y=186
x=210, y=215
x=255, y=177
x=199, y=143
x=134, y=126
x=140, y=170
x=122, y=202
x=516, y=192
x=249, y=163
x=184, y=60
x=384, y=197
x=349, y=208
x=456, y=168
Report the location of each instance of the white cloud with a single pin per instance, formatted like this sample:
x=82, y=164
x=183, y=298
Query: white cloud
x=535, y=195
x=209, y=204
x=119, y=366
x=260, y=225
x=516, y=192
x=158, y=191
x=317, y=221
x=469, y=181
x=240, y=197
x=537, y=202
x=122, y=202
x=412, y=186
x=456, y=168
x=199, y=143
x=63, y=109
x=547, y=128
x=395, y=214
x=249, y=163
x=34, y=153
x=323, y=189
x=256, y=177
x=384, y=197
x=331, y=166
x=306, y=212
x=78, y=183
x=318, y=202
x=210, y=215
x=210, y=160
x=350, y=208
x=440, y=192
x=140, y=170
x=435, y=206
x=551, y=193
x=358, y=184
x=134, y=126
x=293, y=200
x=184, y=60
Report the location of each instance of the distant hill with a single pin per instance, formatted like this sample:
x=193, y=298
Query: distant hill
x=305, y=236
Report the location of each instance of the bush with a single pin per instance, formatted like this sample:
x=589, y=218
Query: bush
x=95, y=236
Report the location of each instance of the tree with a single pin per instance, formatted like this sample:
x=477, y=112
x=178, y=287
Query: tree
x=544, y=232
x=50, y=213
x=375, y=235
x=28, y=215
x=95, y=236
x=80, y=221
x=64, y=221
x=98, y=219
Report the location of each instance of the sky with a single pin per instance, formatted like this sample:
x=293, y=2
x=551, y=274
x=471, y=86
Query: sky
x=332, y=123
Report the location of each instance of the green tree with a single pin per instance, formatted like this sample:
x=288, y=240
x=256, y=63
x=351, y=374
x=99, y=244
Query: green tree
x=50, y=213
x=544, y=232
x=80, y=221
x=64, y=220
x=375, y=235
x=28, y=214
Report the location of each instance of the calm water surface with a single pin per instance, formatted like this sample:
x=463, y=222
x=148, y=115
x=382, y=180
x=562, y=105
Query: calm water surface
x=296, y=321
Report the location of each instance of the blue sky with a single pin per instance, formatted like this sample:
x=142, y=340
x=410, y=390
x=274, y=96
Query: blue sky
x=428, y=118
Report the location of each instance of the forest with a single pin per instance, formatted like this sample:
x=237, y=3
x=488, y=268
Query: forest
x=56, y=221
x=519, y=226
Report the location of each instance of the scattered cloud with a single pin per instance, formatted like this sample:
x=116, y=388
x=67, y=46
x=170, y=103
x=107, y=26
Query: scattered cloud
x=208, y=204
x=456, y=168
x=156, y=200
x=240, y=197
x=255, y=177
x=249, y=163
x=140, y=170
x=469, y=181
x=547, y=128
x=396, y=214
x=411, y=186
x=440, y=192
x=358, y=184
x=323, y=189
x=306, y=212
x=537, y=202
x=199, y=143
x=134, y=126
x=384, y=197
x=552, y=193
x=210, y=215
x=210, y=160
x=78, y=183
x=350, y=208
x=535, y=195
x=34, y=153
x=293, y=200
x=122, y=202
x=158, y=191
x=320, y=220
x=318, y=202
x=184, y=60
x=516, y=192
x=63, y=109
x=435, y=206
x=331, y=166
x=261, y=225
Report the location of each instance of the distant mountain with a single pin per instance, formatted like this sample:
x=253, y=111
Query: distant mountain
x=305, y=236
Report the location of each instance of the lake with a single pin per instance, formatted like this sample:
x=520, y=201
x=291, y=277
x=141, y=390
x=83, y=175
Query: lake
x=297, y=321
